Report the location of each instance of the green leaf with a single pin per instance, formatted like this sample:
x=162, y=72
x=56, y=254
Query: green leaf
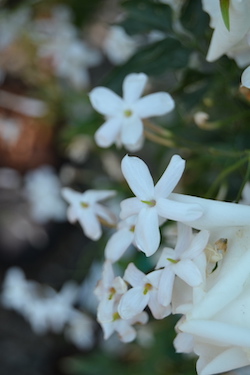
x=224, y=7
x=146, y=15
x=154, y=59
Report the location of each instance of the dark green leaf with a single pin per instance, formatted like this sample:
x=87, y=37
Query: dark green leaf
x=154, y=59
x=144, y=16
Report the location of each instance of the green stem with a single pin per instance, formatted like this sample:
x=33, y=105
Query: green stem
x=224, y=174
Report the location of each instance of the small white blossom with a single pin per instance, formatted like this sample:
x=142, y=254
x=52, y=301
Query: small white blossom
x=152, y=203
x=143, y=292
x=123, y=123
x=180, y=262
x=118, y=45
x=84, y=207
x=109, y=290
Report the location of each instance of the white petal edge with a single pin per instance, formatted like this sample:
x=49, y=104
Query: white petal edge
x=156, y=104
x=138, y=177
x=106, y=101
x=133, y=86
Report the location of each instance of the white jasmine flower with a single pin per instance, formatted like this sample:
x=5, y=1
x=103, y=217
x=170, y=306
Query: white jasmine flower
x=43, y=190
x=143, y=292
x=118, y=45
x=123, y=123
x=152, y=203
x=84, y=207
x=180, y=262
x=123, y=327
x=109, y=290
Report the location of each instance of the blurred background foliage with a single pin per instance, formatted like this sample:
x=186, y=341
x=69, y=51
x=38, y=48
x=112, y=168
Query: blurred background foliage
x=170, y=46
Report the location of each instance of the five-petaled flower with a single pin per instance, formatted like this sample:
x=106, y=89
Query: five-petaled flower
x=151, y=203
x=123, y=123
x=85, y=208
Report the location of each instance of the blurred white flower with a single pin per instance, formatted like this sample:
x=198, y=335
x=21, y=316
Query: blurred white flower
x=84, y=207
x=152, y=203
x=80, y=330
x=108, y=290
x=12, y=24
x=58, y=41
x=10, y=130
x=123, y=123
x=43, y=191
x=118, y=45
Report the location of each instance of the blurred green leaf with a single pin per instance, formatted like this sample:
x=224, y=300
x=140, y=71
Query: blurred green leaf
x=144, y=16
x=154, y=59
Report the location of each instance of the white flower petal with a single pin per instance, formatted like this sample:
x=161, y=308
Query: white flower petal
x=197, y=245
x=105, y=101
x=178, y=211
x=90, y=224
x=118, y=244
x=158, y=311
x=184, y=238
x=130, y=206
x=166, y=286
x=170, y=177
x=166, y=253
x=219, y=333
x=125, y=331
x=70, y=195
x=189, y=272
x=133, y=275
x=133, y=302
x=105, y=214
x=91, y=196
x=132, y=131
x=147, y=234
x=133, y=86
x=215, y=213
x=156, y=104
x=227, y=360
x=108, y=133
x=138, y=177
x=245, y=78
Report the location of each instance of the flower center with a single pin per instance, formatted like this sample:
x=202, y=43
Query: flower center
x=127, y=113
x=132, y=228
x=116, y=316
x=84, y=204
x=112, y=292
x=151, y=203
x=147, y=288
x=172, y=260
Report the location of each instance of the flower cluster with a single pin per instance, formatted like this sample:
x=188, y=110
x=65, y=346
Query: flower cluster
x=204, y=277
